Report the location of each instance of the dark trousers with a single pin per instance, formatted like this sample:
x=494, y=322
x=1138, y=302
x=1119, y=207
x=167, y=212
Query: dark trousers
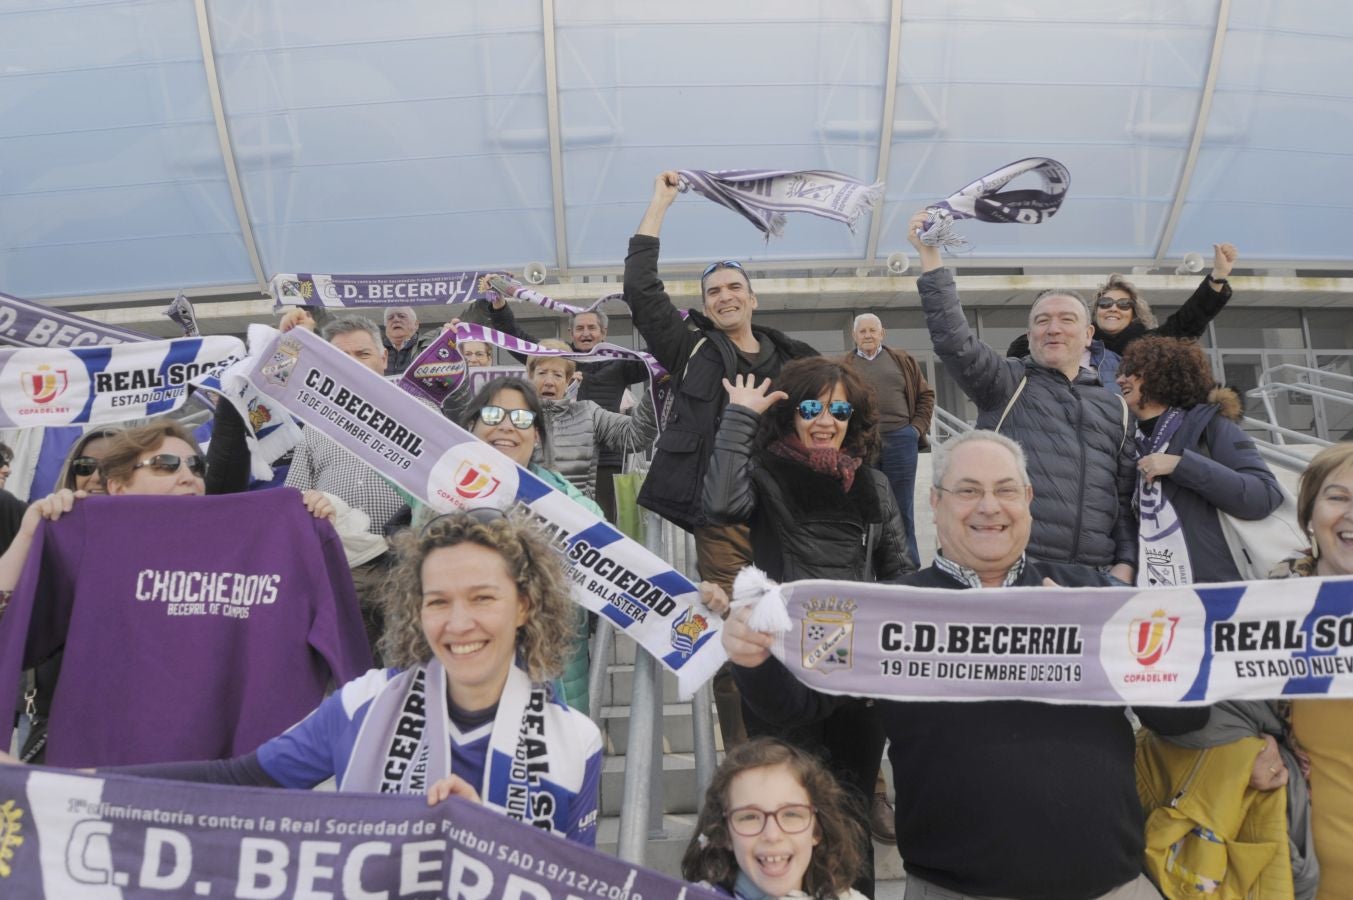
x=898, y=463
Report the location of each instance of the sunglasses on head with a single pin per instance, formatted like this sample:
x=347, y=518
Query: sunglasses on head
x=721, y=264
x=1107, y=302
x=484, y=515
x=811, y=409
x=169, y=463
x=492, y=415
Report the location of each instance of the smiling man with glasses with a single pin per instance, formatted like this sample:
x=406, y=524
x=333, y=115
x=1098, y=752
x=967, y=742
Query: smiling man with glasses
x=998, y=799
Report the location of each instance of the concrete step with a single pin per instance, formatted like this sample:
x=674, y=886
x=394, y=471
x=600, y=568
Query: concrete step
x=677, y=727
x=678, y=784
x=662, y=852
x=622, y=684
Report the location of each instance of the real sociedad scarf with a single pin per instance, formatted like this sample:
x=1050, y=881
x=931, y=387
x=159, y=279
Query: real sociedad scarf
x=763, y=196
x=106, y=383
x=1185, y=645
x=448, y=468
x=440, y=371
x=985, y=200
x=413, y=708
x=1163, y=554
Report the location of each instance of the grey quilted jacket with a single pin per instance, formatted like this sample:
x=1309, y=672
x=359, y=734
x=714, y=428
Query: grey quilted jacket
x=578, y=427
x=1081, y=455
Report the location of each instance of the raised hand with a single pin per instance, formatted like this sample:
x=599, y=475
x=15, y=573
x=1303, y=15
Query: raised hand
x=744, y=391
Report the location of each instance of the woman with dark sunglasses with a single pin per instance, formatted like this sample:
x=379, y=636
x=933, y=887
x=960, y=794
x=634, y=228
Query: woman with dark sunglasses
x=81, y=469
x=1121, y=316
x=793, y=463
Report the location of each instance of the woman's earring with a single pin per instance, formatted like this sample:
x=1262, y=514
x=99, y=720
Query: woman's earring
x=1315, y=548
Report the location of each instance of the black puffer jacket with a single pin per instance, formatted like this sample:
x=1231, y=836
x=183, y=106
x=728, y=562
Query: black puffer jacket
x=699, y=357
x=803, y=525
x=1073, y=432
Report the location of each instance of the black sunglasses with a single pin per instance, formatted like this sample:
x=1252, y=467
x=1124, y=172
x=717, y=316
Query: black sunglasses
x=721, y=264
x=811, y=409
x=84, y=466
x=492, y=415
x=169, y=463
x=484, y=515
x=1106, y=303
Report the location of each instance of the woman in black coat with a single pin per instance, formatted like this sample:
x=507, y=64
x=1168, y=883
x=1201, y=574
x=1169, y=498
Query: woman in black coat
x=793, y=463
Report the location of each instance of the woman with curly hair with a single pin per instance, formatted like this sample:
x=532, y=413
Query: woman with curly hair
x=1193, y=460
x=478, y=621
x=775, y=824
x=794, y=464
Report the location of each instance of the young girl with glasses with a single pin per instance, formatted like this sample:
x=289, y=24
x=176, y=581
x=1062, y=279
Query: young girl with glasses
x=776, y=824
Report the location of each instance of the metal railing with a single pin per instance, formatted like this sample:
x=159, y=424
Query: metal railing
x=641, y=806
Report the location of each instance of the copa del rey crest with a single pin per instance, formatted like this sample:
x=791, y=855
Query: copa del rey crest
x=1150, y=639
x=474, y=480
x=828, y=632
x=45, y=384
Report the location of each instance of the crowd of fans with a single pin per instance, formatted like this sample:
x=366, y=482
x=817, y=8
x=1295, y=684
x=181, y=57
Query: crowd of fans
x=1102, y=440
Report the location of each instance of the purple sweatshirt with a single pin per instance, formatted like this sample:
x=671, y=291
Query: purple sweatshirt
x=194, y=627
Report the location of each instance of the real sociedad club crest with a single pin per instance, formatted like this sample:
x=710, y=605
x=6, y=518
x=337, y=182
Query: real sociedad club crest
x=45, y=384
x=1151, y=638
x=686, y=631
x=828, y=635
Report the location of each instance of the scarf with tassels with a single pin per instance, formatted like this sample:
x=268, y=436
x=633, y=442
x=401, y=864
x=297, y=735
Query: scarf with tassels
x=829, y=461
x=763, y=196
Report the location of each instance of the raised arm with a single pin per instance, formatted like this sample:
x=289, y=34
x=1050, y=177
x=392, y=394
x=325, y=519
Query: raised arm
x=670, y=338
x=1210, y=298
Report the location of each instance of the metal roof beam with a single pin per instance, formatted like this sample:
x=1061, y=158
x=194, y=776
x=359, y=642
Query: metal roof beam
x=551, y=64
x=1199, y=129
x=227, y=147
x=886, y=130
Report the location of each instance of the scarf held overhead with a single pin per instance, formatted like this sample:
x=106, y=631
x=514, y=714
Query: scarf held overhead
x=763, y=196
x=106, y=383
x=1198, y=644
x=985, y=200
x=440, y=371
x=24, y=323
x=450, y=469
x=67, y=836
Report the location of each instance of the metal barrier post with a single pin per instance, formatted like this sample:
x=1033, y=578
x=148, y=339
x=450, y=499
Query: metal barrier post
x=597, y=682
x=702, y=719
x=639, y=753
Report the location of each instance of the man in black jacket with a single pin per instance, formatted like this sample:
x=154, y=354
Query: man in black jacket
x=1029, y=801
x=699, y=351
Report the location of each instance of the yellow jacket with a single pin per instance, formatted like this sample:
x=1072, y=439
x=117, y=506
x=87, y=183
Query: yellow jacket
x=1205, y=825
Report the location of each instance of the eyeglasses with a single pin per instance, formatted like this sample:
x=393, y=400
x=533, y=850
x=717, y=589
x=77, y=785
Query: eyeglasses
x=84, y=466
x=811, y=409
x=492, y=415
x=721, y=264
x=749, y=821
x=1107, y=303
x=1005, y=493
x=169, y=463
x=484, y=515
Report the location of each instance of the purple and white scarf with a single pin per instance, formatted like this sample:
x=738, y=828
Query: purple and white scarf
x=440, y=371
x=1163, y=554
x=763, y=196
x=24, y=323
x=984, y=200
x=181, y=311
